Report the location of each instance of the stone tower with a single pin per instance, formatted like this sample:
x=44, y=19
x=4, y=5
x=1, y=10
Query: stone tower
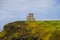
x=30, y=17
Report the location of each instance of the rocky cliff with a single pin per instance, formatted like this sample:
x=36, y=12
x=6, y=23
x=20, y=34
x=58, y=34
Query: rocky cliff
x=37, y=30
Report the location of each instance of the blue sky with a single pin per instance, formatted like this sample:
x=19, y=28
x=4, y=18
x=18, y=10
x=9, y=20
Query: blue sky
x=12, y=10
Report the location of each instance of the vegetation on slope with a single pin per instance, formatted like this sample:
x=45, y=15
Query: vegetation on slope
x=36, y=30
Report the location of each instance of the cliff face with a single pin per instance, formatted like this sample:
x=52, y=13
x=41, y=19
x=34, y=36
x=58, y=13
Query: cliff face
x=37, y=30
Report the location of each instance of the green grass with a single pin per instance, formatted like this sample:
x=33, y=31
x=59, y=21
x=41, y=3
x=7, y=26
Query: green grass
x=45, y=30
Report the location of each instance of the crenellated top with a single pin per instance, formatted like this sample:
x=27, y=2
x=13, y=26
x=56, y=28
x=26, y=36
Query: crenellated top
x=30, y=17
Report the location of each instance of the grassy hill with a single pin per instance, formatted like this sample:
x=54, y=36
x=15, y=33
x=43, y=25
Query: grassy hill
x=36, y=30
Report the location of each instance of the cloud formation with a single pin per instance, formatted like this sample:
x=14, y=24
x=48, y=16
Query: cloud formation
x=26, y=4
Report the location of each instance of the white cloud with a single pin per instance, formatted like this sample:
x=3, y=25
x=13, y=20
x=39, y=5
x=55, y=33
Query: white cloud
x=42, y=6
x=4, y=15
x=1, y=12
x=24, y=4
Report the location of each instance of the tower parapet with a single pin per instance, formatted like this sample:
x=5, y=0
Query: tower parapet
x=30, y=17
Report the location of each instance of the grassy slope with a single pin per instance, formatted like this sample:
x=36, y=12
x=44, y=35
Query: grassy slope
x=46, y=30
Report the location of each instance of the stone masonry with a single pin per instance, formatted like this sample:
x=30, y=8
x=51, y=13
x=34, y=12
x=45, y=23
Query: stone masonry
x=30, y=17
